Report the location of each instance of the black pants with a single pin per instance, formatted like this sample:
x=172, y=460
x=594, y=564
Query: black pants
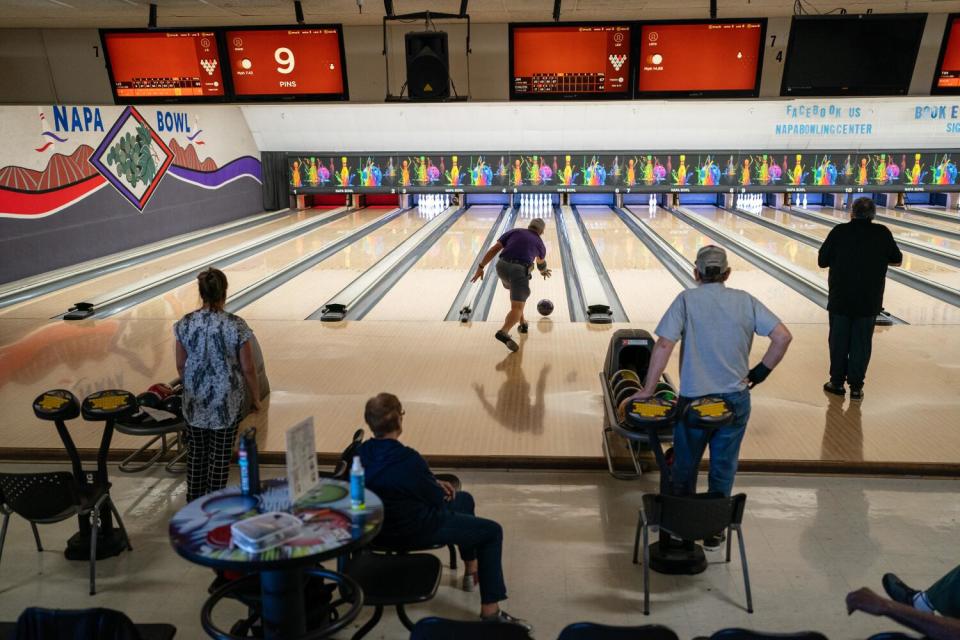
x=208, y=459
x=851, y=340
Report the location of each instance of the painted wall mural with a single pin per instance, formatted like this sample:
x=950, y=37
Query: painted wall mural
x=117, y=178
x=624, y=172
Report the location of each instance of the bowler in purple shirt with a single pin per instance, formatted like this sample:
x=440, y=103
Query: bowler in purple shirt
x=519, y=250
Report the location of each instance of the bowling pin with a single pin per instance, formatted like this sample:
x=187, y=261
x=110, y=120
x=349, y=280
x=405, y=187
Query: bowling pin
x=804, y=200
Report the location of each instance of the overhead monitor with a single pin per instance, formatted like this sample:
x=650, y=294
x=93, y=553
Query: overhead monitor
x=947, y=78
x=172, y=65
x=856, y=55
x=700, y=58
x=570, y=61
x=287, y=63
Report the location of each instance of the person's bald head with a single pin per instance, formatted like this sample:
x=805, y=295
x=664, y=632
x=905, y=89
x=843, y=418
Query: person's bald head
x=383, y=413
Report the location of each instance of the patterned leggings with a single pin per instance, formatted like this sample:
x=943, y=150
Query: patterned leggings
x=208, y=459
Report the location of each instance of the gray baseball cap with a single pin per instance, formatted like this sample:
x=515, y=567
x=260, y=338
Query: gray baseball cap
x=711, y=256
x=538, y=225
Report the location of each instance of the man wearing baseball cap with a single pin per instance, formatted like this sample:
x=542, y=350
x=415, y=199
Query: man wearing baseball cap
x=518, y=249
x=715, y=326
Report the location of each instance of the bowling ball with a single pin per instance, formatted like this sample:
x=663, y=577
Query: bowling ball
x=624, y=374
x=149, y=399
x=666, y=394
x=545, y=307
x=623, y=395
x=625, y=384
x=161, y=389
x=174, y=405
x=663, y=386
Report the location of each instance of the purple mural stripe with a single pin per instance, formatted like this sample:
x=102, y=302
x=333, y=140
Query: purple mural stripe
x=247, y=165
x=193, y=137
x=55, y=137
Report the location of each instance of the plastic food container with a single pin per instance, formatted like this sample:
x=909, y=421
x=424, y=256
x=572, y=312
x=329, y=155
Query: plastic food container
x=265, y=531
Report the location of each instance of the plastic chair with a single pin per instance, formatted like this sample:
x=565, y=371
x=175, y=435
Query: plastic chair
x=443, y=629
x=36, y=623
x=593, y=631
x=746, y=634
x=46, y=498
x=691, y=518
x=341, y=471
x=394, y=581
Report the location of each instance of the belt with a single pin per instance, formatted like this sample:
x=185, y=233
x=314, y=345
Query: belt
x=520, y=262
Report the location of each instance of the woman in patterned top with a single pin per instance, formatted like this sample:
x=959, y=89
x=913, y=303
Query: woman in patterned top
x=214, y=358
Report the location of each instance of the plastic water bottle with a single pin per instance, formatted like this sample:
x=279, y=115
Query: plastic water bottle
x=248, y=459
x=357, y=486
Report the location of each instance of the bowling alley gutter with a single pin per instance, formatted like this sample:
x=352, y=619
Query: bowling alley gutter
x=556, y=463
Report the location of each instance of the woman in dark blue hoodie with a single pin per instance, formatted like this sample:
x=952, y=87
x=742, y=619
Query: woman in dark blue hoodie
x=421, y=511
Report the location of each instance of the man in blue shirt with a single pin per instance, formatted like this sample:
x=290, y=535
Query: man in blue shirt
x=421, y=511
x=518, y=249
x=716, y=325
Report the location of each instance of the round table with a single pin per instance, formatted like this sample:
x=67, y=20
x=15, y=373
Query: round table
x=200, y=532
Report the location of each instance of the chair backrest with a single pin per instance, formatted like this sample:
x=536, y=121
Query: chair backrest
x=893, y=635
x=36, y=623
x=593, y=631
x=442, y=629
x=342, y=470
x=694, y=517
x=746, y=634
x=39, y=496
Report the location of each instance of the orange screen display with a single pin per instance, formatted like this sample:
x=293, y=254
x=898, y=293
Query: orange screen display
x=571, y=59
x=699, y=57
x=165, y=64
x=285, y=61
x=949, y=73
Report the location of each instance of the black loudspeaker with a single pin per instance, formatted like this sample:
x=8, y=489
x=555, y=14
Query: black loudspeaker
x=428, y=65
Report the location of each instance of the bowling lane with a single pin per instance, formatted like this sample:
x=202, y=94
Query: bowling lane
x=789, y=305
x=900, y=300
x=57, y=302
x=642, y=283
x=904, y=232
x=427, y=290
x=936, y=271
x=181, y=300
x=306, y=293
x=552, y=288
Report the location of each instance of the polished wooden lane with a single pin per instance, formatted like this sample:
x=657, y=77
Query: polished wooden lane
x=643, y=285
x=427, y=290
x=787, y=304
x=469, y=402
x=175, y=303
x=902, y=301
x=904, y=232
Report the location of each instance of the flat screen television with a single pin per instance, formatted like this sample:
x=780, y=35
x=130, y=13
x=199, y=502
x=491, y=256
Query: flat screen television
x=570, y=61
x=852, y=55
x=700, y=58
x=163, y=65
x=297, y=62
x=946, y=80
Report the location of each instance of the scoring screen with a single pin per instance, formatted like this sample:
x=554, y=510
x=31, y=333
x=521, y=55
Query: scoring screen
x=947, y=79
x=286, y=62
x=570, y=60
x=700, y=57
x=164, y=64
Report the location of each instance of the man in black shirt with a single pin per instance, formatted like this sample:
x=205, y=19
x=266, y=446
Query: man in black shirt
x=857, y=253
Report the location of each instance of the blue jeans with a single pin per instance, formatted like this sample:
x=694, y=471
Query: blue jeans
x=478, y=539
x=689, y=444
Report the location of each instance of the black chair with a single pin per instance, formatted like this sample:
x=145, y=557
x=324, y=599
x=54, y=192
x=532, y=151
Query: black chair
x=341, y=471
x=691, y=518
x=36, y=623
x=746, y=634
x=326, y=616
x=442, y=629
x=894, y=635
x=593, y=631
x=46, y=498
x=394, y=581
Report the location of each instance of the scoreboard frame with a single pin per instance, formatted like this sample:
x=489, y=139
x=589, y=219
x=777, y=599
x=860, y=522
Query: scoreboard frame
x=701, y=94
x=934, y=89
x=626, y=95
x=123, y=100
x=286, y=97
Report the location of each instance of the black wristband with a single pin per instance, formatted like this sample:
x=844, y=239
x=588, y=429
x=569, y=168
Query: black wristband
x=542, y=266
x=758, y=374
